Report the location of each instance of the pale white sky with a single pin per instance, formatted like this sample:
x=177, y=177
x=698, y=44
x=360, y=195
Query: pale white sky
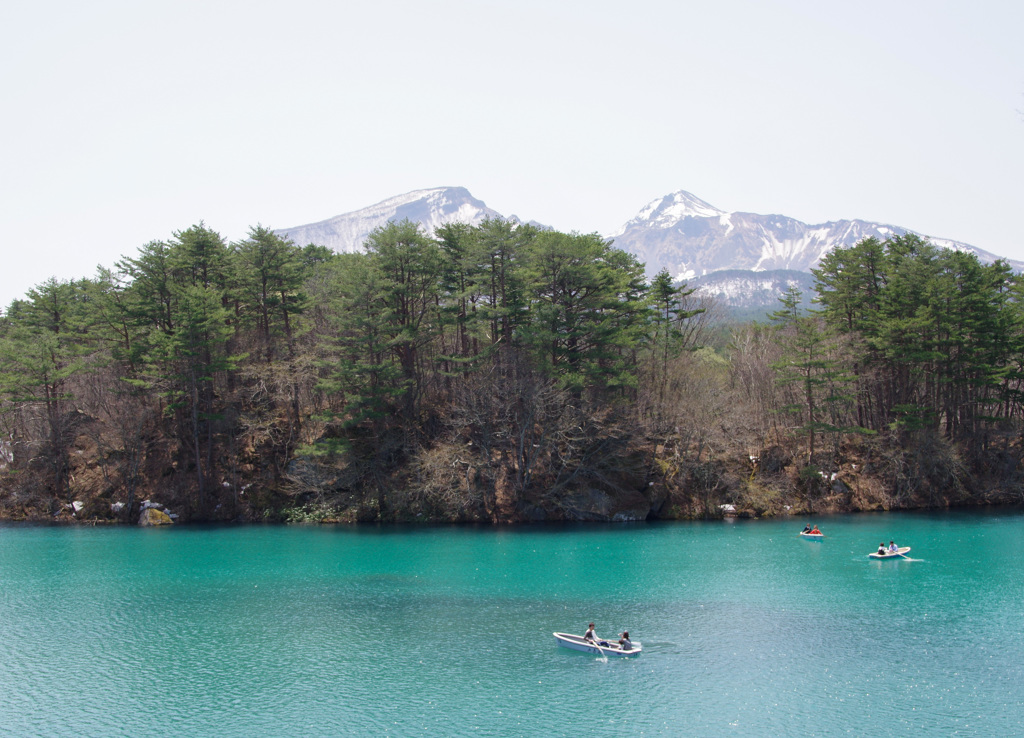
x=125, y=120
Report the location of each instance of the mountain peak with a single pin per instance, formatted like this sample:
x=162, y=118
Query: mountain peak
x=690, y=238
x=438, y=196
x=678, y=232
x=667, y=211
x=430, y=208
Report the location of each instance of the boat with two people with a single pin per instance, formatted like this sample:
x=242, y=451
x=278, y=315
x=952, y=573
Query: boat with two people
x=892, y=551
x=599, y=647
x=811, y=533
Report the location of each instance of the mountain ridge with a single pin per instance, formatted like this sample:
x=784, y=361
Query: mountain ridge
x=430, y=207
x=691, y=238
x=679, y=232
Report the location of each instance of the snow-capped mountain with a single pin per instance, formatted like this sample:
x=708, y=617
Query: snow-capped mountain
x=691, y=238
x=431, y=208
x=736, y=287
x=679, y=232
x=748, y=295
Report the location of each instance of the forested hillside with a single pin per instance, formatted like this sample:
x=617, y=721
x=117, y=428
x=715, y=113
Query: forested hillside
x=501, y=373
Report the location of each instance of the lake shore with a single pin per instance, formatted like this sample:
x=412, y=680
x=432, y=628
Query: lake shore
x=644, y=482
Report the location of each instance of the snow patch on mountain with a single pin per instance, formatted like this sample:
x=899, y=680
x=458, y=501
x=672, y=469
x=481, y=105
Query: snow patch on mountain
x=667, y=211
x=813, y=243
x=431, y=208
x=754, y=293
x=690, y=238
x=678, y=232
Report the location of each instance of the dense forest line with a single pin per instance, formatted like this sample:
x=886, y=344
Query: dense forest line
x=502, y=373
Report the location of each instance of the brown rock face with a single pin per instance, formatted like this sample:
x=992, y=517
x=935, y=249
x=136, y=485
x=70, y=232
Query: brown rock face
x=152, y=516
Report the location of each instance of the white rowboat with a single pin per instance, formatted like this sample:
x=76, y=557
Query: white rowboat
x=897, y=555
x=578, y=643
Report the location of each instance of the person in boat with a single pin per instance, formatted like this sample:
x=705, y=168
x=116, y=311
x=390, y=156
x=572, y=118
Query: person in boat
x=815, y=531
x=893, y=548
x=591, y=637
x=624, y=643
x=807, y=528
x=881, y=549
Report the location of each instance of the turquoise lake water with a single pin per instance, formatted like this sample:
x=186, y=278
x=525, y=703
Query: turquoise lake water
x=306, y=631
